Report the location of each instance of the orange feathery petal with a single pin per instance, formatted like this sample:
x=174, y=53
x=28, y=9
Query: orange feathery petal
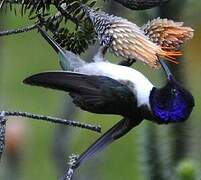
x=170, y=55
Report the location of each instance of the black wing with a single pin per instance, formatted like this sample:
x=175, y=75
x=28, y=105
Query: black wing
x=98, y=94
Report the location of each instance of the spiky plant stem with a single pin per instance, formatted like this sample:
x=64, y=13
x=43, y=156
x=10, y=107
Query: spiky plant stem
x=5, y=114
x=17, y=31
x=53, y=120
x=2, y=132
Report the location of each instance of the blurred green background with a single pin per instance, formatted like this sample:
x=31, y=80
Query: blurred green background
x=38, y=150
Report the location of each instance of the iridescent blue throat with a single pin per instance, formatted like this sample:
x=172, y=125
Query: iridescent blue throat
x=171, y=103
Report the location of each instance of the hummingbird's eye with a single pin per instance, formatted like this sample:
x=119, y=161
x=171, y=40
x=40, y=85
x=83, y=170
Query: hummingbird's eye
x=174, y=92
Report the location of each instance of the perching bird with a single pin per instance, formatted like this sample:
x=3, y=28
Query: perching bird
x=106, y=88
x=159, y=37
x=141, y=4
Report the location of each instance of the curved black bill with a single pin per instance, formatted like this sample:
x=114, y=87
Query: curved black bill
x=165, y=68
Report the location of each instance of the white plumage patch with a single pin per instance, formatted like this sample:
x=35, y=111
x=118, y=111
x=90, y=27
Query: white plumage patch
x=141, y=86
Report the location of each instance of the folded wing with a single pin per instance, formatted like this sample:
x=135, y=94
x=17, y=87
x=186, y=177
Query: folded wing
x=98, y=94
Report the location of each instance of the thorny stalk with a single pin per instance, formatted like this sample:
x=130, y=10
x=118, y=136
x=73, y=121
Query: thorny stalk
x=54, y=120
x=2, y=132
x=5, y=114
x=68, y=175
x=17, y=31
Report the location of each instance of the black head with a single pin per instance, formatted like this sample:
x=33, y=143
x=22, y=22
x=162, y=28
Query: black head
x=172, y=103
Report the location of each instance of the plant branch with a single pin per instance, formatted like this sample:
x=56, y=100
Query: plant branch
x=31, y=27
x=2, y=132
x=69, y=172
x=17, y=31
x=5, y=114
x=54, y=120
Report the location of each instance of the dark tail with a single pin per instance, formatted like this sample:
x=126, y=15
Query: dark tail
x=116, y=132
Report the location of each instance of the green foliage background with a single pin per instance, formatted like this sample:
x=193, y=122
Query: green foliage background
x=26, y=54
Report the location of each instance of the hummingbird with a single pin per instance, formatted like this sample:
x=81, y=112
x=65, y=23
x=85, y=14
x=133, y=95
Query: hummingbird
x=106, y=88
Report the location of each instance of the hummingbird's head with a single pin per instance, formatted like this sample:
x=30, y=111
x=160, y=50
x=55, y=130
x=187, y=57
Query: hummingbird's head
x=171, y=103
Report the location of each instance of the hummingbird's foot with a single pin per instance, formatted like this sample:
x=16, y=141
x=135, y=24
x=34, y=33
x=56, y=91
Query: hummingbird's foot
x=128, y=62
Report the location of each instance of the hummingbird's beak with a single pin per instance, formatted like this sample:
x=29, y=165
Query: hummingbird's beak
x=53, y=43
x=165, y=68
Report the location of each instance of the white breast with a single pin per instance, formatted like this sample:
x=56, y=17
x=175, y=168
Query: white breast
x=141, y=85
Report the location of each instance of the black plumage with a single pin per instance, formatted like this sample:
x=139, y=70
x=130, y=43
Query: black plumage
x=105, y=88
x=97, y=94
